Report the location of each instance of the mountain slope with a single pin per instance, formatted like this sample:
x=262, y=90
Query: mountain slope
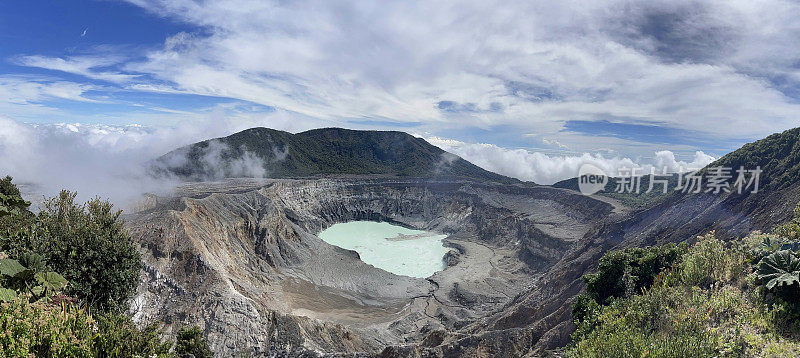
x=680, y=215
x=778, y=156
x=263, y=152
x=639, y=200
x=674, y=218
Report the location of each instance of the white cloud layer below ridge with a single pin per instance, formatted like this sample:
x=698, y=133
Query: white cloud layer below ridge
x=546, y=169
x=108, y=161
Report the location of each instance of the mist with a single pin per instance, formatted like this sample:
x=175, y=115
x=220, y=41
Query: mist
x=115, y=162
x=110, y=162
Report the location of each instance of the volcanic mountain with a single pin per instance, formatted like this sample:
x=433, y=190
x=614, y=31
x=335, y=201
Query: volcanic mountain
x=240, y=257
x=263, y=152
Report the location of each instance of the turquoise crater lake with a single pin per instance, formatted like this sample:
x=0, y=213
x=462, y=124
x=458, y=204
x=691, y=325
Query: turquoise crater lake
x=393, y=248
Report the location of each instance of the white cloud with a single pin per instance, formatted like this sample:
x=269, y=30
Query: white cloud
x=27, y=89
x=548, y=169
x=94, y=160
x=555, y=143
x=87, y=66
x=108, y=160
x=699, y=67
x=666, y=159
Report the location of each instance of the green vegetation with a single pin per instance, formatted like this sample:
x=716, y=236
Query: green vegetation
x=791, y=230
x=778, y=156
x=121, y=338
x=67, y=330
x=32, y=279
x=713, y=299
x=191, y=341
x=625, y=272
x=84, y=242
x=79, y=314
x=319, y=152
x=87, y=243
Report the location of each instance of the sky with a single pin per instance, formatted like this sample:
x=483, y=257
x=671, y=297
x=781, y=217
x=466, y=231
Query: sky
x=528, y=89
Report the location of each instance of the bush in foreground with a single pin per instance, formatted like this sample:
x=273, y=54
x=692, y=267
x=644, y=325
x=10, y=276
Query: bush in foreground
x=66, y=330
x=89, y=246
x=712, y=302
x=86, y=243
x=626, y=272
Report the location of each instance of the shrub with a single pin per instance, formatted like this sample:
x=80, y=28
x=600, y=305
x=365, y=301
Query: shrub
x=710, y=261
x=584, y=308
x=89, y=246
x=86, y=243
x=8, y=188
x=791, y=230
x=649, y=325
x=14, y=214
x=66, y=330
x=191, y=341
x=708, y=304
x=630, y=270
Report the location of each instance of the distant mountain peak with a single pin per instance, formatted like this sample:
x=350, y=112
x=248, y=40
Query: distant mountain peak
x=265, y=152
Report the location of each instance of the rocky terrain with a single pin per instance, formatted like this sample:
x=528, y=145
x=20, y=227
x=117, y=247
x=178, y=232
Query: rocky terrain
x=241, y=258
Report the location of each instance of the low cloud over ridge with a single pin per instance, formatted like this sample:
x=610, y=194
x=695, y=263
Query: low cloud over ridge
x=548, y=169
x=109, y=161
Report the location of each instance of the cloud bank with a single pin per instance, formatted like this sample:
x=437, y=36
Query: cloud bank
x=545, y=169
x=109, y=161
x=113, y=161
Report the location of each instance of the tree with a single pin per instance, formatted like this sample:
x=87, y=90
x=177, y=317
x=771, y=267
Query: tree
x=8, y=188
x=630, y=270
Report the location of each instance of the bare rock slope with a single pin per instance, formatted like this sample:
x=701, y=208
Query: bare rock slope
x=241, y=258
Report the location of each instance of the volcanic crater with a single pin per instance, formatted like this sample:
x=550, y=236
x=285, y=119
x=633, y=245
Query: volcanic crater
x=241, y=258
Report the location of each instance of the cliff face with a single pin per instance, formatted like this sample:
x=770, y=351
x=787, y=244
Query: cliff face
x=241, y=259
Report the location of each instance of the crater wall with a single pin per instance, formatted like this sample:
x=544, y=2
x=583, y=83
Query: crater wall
x=241, y=259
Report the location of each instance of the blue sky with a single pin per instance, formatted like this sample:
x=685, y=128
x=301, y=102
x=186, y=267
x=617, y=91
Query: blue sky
x=484, y=79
